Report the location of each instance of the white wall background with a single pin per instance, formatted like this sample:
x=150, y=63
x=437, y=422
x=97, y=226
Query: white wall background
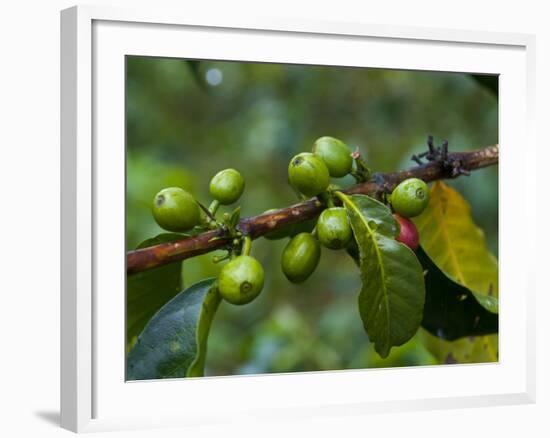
x=29, y=215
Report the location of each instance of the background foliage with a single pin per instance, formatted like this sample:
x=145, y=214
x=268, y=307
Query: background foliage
x=186, y=121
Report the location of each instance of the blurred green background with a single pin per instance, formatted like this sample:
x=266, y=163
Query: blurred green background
x=186, y=120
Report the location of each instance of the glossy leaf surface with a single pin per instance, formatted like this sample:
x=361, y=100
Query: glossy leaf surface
x=391, y=300
x=173, y=343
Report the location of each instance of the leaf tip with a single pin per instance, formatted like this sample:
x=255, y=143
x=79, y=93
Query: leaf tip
x=382, y=350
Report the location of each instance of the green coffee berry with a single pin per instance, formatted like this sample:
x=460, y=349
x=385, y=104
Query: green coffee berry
x=308, y=174
x=227, y=186
x=335, y=154
x=174, y=209
x=241, y=280
x=300, y=257
x=333, y=228
x=410, y=197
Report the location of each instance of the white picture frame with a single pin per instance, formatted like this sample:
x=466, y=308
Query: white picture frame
x=94, y=41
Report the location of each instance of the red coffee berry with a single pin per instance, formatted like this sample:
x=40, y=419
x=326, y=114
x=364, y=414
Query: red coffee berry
x=408, y=234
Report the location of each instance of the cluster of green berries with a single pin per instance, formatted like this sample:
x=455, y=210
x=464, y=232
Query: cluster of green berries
x=174, y=209
x=241, y=280
x=310, y=173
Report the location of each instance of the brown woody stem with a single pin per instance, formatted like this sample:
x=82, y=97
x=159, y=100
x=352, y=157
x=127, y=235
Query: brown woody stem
x=256, y=226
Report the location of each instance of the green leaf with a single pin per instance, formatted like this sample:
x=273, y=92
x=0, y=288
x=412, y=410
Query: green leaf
x=456, y=245
x=148, y=291
x=173, y=343
x=471, y=349
x=452, y=311
x=392, y=294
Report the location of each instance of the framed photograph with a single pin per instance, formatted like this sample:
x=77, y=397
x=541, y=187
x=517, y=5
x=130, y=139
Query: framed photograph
x=253, y=208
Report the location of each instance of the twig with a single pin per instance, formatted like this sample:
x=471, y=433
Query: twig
x=256, y=226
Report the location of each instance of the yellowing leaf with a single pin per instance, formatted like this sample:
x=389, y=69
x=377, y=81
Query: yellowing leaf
x=452, y=240
x=457, y=246
x=471, y=349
